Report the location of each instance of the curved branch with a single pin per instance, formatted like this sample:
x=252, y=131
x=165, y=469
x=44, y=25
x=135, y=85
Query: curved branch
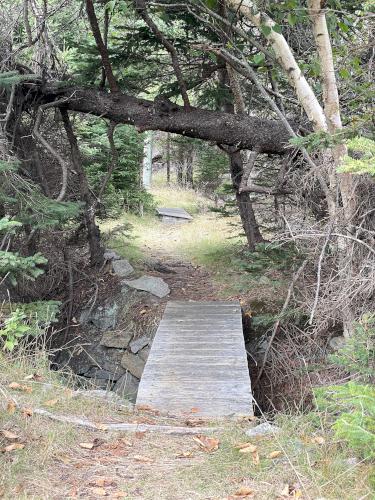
x=113, y=85
x=142, y=10
x=47, y=145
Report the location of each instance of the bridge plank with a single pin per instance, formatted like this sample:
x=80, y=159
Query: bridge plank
x=198, y=361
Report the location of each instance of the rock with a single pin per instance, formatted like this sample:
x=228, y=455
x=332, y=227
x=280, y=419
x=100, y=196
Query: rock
x=99, y=374
x=127, y=386
x=133, y=364
x=122, y=268
x=111, y=255
x=139, y=343
x=143, y=354
x=262, y=430
x=103, y=317
x=81, y=361
x=118, y=339
x=337, y=343
x=156, y=286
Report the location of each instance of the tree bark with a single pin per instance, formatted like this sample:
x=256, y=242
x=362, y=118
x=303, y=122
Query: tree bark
x=244, y=132
x=93, y=232
x=245, y=206
x=287, y=61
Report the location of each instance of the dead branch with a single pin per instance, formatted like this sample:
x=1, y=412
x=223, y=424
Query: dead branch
x=277, y=324
x=52, y=150
x=162, y=429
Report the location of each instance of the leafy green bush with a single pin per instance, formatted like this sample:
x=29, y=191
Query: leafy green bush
x=351, y=406
x=27, y=319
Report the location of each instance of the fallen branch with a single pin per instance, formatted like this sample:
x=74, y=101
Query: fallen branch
x=163, y=429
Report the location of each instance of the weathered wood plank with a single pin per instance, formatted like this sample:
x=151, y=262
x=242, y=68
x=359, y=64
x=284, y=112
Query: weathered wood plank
x=198, y=360
x=179, y=213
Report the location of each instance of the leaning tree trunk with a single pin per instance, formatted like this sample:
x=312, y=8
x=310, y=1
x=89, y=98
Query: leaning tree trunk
x=244, y=203
x=93, y=232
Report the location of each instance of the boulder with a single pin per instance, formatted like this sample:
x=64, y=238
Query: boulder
x=127, y=386
x=139, y=343
x=119, y=338
x=111, y=255
x=262, y=430
x=122, y=268
x=156, y=286
x=133, y=364
x=102, y=317
x=337, y=343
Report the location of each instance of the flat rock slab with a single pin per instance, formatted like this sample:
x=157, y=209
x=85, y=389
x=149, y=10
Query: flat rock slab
x=178, y=213
x=156, y=286
x=139, y=343
x=117, y=339
x=122, y=268
x=198, y=362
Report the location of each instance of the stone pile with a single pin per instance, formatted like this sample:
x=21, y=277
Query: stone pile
x=113, y=357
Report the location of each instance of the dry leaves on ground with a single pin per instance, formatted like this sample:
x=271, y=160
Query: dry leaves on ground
x=318, y=440
x=19, y=387
x=12, y=447
x=50, y=402
x=92, y=444
x=9, y=434
x=275, y=454
x=290, y=491
x=185, y=454
x=27, y=412
x=206, y=443
x=246, y=447
x=11, y=407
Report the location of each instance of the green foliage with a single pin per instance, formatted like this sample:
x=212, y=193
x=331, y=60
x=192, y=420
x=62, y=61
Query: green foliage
x=212, y=165
x=124, y=189
x=13, y=329
x=358, y=353
x=15, y=266
x=351, y=406
x=352, y=409
x=268, y=256
x=361, y=157
x=317, y=141
x=10, y=78
x=28, y=319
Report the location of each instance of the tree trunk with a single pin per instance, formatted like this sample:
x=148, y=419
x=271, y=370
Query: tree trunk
x=244, y=203
x=93, y=232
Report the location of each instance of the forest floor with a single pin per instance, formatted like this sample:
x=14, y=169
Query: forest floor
x=43, y=458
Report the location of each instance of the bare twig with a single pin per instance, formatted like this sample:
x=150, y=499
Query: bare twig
x=277, y=324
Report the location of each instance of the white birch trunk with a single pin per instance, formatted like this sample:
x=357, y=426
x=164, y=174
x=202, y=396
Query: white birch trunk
x=287, y=61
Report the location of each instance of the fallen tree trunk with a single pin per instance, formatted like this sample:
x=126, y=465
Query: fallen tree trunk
x=243, y=132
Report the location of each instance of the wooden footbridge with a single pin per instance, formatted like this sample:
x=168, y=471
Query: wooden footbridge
x=197, y=363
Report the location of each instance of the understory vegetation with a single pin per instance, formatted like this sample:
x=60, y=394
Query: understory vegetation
x=254, y=117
